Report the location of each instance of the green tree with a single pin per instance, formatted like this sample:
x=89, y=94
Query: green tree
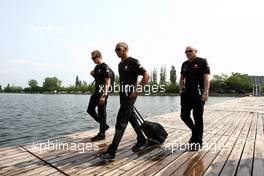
x=33, y=86
x=163, y=75
x=217, y=84
x=173, y=76
x=172, y=88
x=32, y=83
x=117, y=80
x=77, y=82
x=154, y=76
x=13, y=89
x=51, y=84
x=239, y=83
x=0, y=88
x=7, y=88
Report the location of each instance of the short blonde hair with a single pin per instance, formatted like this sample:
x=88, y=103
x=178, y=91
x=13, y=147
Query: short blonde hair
x=96, y=53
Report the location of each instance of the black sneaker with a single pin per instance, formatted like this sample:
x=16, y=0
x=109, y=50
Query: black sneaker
x=191, y=140
x=139, y=144
x=107, y=156
x=98, y=137
x=106, y=127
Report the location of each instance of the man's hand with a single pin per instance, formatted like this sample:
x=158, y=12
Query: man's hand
x=204, y=97
x=102, y=100
x=180, y=92
x=134, y=94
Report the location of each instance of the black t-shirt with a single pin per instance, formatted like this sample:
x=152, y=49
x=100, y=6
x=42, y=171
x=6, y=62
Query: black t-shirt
x=129, y=70
x=101, y=72
x=193, y=73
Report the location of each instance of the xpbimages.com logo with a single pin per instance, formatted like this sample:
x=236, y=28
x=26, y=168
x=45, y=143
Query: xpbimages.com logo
x=57, y=145
x=146, y=90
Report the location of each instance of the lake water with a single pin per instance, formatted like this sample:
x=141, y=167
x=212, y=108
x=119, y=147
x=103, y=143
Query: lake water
x=25, y=118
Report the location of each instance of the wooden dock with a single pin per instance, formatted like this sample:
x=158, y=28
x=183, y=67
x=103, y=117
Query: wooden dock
x=233, y=145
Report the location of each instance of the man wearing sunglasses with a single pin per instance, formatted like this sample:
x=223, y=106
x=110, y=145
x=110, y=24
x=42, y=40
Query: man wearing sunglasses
x=102, y=75
x=129, y=69
x=194, y=89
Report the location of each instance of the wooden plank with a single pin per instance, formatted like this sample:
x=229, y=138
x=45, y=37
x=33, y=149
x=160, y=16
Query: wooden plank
x=10, y=156
x=132, y=157
x=107, y=171
x=246, y=160
x=22, y=166
x=258, y=164
x=185, y=168
x=43, y=171
x=207, y=160
x=23, y=157
x=231, y=164
x=163, y=162
x=58, y=156
x=80, y=137
x=123, y=145
x=124, y=154
x=57, y=174
x=237, y=123
x=220, y=160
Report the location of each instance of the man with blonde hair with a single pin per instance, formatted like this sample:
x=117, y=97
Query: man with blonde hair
x=194, y=90
x=102, y=75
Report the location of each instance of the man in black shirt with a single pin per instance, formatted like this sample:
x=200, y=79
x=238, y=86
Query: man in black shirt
x=101, y=74
x=194, y=89
x=129, y=70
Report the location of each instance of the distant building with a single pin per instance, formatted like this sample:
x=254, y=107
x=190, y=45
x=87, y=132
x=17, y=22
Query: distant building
x=257, y=81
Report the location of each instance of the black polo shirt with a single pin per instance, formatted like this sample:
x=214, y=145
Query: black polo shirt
x=101, y=72
x=129, y=70
x=194, y=74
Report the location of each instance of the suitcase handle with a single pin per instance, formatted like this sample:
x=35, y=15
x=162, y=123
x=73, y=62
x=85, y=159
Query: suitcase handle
x=139, y=117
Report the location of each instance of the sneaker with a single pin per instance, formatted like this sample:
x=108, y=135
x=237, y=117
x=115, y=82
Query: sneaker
x=107, y=156
x=106, y=127
x=191, y=140
x=98, y=137
x=139, y=144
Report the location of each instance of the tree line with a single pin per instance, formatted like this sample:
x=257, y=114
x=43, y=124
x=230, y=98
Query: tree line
x=220, y=84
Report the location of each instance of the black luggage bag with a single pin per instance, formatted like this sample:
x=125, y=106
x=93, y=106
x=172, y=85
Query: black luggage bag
x=154, y=131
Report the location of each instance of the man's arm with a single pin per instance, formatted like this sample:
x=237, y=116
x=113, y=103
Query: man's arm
x=182, y=83
x=144, y=80
x=206, y=87
x=92, y=73
x=142, y=83
x=106, y=88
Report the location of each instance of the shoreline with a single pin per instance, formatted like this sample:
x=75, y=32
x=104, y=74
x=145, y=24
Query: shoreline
x=161, y=95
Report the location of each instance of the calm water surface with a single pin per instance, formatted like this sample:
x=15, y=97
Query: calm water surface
x=25, y=118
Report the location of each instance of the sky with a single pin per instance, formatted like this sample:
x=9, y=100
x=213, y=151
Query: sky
x=48, y=38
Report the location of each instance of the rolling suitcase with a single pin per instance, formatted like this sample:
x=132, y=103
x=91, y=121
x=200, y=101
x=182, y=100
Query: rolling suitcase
x=154, y=131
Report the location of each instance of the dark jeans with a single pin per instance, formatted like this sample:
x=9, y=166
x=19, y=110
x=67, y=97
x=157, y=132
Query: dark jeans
x=100, y=117
x=192, y=101
x=125, y=114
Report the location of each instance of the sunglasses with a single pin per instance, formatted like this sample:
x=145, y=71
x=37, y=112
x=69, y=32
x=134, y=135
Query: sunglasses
x=188, y=51
x=95, y=57
x=118, y=49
